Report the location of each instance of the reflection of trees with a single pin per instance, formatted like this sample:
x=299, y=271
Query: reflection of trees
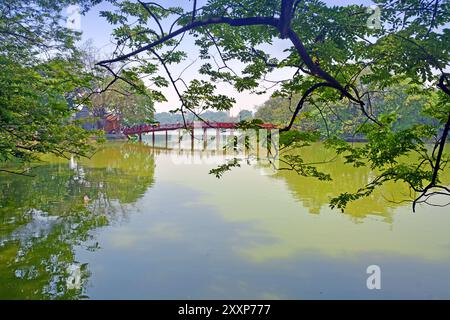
x=43, y=218
x=315, y=194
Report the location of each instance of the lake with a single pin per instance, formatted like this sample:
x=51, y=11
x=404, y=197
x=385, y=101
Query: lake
x=137, y=222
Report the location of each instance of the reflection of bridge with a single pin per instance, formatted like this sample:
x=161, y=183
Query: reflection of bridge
x=205, y=125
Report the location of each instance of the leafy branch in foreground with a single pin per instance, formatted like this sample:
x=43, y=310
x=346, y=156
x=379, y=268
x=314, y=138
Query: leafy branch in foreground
x=297, y=164
x=330, y=58
x=387, y=153
x=220, y=170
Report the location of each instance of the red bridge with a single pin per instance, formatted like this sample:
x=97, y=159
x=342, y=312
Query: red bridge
x=146, y=128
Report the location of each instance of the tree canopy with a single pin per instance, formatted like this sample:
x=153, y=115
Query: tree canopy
x=41, y=82
x=46, y=77
x=403, y=100
x=133, y=108
x=343, y=55
x=339, y=62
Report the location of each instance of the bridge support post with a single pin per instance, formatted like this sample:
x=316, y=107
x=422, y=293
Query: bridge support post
x=233, y=146
x=153, y=138
x=205, y=138
x=269, y=142
x=217, y=138
x=192, y=139
x=257, y=144
x=140, y=137
x=167, y=139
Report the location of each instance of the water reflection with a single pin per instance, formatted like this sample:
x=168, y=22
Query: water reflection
x=315, y=194
x=44, y=217
x=142, y=222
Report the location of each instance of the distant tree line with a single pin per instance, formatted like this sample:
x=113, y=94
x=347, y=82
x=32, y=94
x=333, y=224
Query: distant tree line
x=402, y=101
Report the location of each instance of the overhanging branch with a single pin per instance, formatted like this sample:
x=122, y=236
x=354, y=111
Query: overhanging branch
x=235, y=22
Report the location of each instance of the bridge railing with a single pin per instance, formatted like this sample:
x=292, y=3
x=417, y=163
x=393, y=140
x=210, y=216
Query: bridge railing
x=205, y=125
x=149, y=128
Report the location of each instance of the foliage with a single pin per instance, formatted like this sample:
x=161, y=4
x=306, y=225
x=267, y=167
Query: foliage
x=220, y=170
x=121, y=99
x=333, y=55
x=245, y=115
x=41, y=82
x=276, y=110
x=403, y=100
x=200, y=94
x=115, y=177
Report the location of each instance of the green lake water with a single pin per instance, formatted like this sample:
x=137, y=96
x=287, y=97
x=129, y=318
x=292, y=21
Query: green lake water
x=136, y=222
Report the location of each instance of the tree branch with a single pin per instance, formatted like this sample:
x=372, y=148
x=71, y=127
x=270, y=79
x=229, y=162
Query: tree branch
x=153, y=16
x=303, y=100
x=251, y=21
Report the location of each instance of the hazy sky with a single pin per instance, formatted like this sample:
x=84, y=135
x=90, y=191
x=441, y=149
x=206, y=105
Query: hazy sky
x=98, y=30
